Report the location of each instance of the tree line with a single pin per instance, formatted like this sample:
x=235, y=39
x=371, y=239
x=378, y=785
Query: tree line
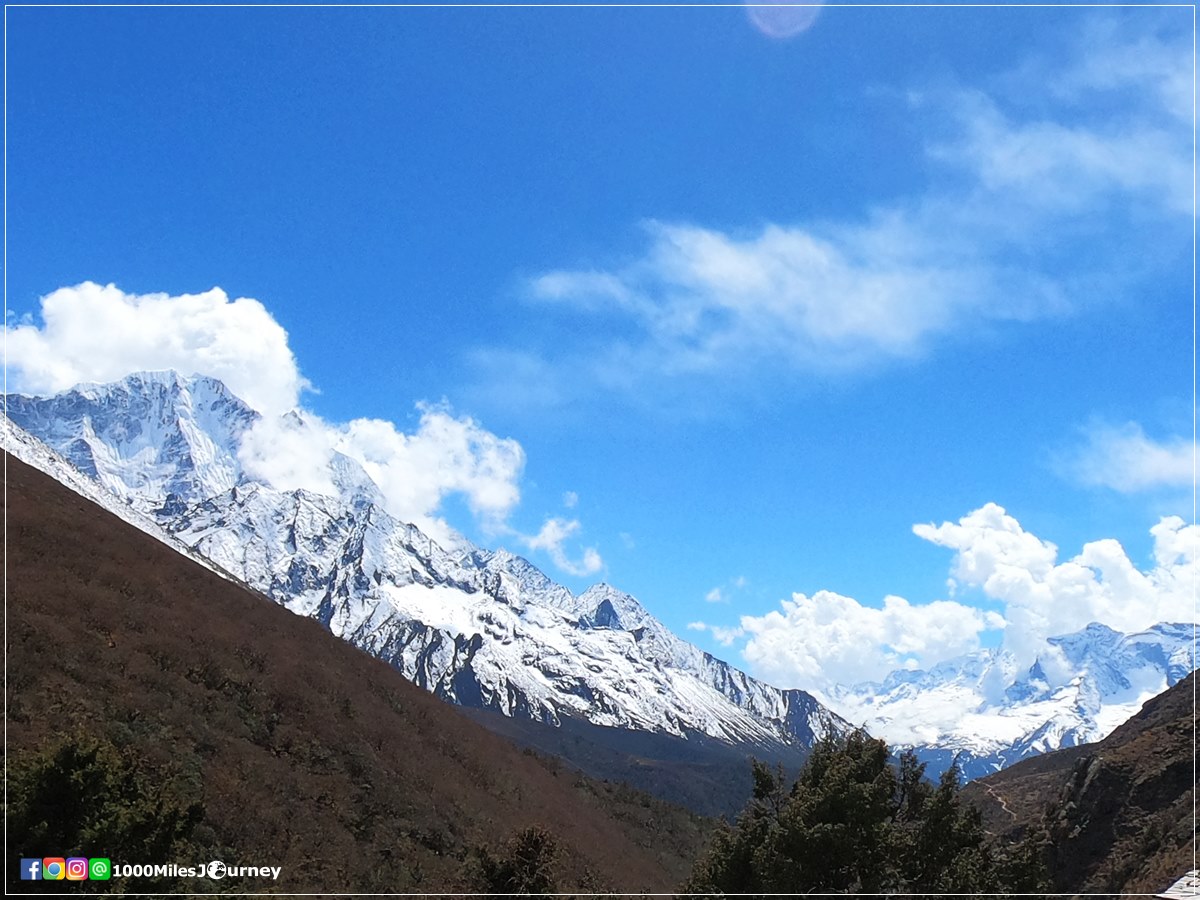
x=851, y=822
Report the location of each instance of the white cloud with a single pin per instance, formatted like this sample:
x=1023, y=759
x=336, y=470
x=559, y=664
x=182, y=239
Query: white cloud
x=290, y=452
x=1043, y=597
x=828, y=301
x=1125, y=459
x=724, y=593
x=722, y=635
x=551, y=538
x=1059, y=151
x=95, y=333
x=828, y=638
x=570, y=499
x=816, y=641
x=446, y=454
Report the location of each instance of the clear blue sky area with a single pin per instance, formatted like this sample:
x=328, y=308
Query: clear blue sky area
x=761, y=302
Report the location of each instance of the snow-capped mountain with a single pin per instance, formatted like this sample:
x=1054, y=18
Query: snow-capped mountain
x=477, y=627
x=989, y=712
x=33, y=452
x=152, y=439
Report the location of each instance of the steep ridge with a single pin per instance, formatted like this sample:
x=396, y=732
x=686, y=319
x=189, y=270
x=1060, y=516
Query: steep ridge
x=479, y=628
x=301, y=751
x=1117, y=816
x=984, y=711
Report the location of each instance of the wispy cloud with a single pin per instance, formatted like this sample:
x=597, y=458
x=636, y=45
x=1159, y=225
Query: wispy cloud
x=1035, y=181
x=723, y=593
x=551, y=538
x=1124, y=458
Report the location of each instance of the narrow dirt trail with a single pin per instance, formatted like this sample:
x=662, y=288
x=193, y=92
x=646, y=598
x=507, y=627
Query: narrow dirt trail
x=1003, y=804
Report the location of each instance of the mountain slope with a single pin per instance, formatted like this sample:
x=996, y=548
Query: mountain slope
x=1118, y=815
x=480, y=628
x=302, y=751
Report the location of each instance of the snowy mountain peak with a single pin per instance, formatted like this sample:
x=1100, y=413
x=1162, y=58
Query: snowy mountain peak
x=478, y=627
x=993, y=713
x=604, y=606
x=151, y=438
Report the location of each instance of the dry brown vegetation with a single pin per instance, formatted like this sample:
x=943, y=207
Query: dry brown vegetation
x=1117, y=816
x=300, y=750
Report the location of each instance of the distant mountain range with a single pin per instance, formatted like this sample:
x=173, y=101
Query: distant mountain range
x=988, y=713
x=486, y=629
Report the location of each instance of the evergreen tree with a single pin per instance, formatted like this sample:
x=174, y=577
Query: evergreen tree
x=526, y=867
x=853, y=823
x=81, y=795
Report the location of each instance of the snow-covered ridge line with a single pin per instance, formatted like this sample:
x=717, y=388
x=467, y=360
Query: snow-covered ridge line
x=31, y=451
x=478, y=627
x=985, y=709
x=487, y=628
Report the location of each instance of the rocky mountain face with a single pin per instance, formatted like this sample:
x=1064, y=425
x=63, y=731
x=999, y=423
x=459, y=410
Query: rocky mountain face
x=487, y=629
x=476, y=627
x=1116, y=816
x=989, y=713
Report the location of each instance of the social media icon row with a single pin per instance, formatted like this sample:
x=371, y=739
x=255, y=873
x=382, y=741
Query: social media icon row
x=75, y=868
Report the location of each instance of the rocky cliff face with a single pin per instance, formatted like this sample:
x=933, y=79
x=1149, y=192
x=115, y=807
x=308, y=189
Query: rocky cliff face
x=1115, y=816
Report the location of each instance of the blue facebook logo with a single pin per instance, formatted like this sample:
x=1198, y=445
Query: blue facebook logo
x=31, y=869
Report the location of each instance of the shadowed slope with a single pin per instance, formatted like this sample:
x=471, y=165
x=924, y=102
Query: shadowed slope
x=1119, y=813
x=304, y=752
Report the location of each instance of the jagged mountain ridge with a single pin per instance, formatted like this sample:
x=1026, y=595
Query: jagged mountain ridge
x=480, y=628
x=990, y=713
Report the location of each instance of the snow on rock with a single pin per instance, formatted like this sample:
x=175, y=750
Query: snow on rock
x=477, y=627
x=985, y=710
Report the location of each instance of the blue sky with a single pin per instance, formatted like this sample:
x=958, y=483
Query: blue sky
x=751, y=306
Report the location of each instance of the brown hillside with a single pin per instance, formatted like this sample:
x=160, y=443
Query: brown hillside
x=1118, y=815
x=302, y=751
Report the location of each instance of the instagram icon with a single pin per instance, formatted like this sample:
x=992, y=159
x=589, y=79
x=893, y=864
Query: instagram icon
x=77, y=869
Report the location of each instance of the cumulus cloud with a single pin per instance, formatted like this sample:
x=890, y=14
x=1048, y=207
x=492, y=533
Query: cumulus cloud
x=414, y=473
x=551, y=538
x=1043, y=597
x=446, y=454
x=828, y=638
x=825, y=639
x=100, y=333
x=290, y=452
x=1123, y=458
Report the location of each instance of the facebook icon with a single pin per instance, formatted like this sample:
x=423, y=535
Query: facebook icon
x=31, y=869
